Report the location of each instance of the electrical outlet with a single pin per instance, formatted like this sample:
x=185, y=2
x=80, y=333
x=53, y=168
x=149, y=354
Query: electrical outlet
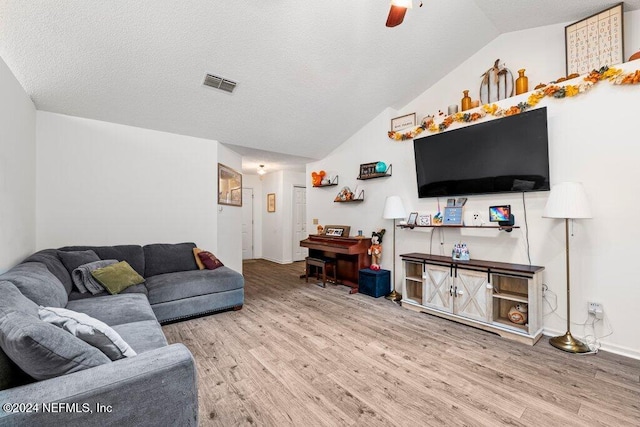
x=595, y=308
x=315, y=221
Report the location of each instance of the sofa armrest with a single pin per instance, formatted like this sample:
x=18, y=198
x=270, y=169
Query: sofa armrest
x=158, y=387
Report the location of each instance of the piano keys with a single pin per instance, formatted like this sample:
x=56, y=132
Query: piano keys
x=350, y=254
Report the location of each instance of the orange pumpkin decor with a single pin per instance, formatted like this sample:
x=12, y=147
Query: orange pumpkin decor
x=316, y=178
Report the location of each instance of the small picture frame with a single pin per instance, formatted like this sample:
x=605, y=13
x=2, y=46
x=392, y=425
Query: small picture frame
x=367, y=169
x=337, y=232
x=271, y=202
x=461, y=201
x=451, y=202
x=413, y=216
x=403, y=122
x=424, y=220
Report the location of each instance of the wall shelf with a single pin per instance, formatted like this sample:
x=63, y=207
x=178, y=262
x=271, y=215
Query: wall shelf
x=384, y=174
x=493, y=227
x=333, y=182
x=358, y=198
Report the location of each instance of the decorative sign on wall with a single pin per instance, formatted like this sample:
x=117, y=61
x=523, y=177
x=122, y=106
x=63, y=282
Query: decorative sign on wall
x=595, y=41
x=403, y=122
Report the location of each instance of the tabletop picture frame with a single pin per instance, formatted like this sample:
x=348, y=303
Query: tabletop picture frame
x=595, y=41
x=413, y=216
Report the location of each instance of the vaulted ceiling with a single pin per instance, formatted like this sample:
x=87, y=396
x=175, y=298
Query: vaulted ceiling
x=309, y=73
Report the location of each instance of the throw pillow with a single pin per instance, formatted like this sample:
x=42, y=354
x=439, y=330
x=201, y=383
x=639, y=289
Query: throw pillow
x=74, y=259
x=83, y=279
x=90, y=330
x=117, y=277
x=209, y=260
x=196, y=251
x=44, y=351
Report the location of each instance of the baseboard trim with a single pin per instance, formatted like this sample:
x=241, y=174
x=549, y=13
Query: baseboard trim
x=605, y=346
x=277, y=261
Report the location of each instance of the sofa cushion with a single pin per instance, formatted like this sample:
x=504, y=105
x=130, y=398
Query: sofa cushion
x=74, y=259
x=136, y=289
x=186, y=284
x=161, y=258
x=142, y=336
x=50, y=258
x=117, y=277
x=37, y=283
x=131, y=253
x=11, y=299
x=90, y=330
x=115, y=309
x=42, y=350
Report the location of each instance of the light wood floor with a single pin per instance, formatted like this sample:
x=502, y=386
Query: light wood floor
x=298, y=354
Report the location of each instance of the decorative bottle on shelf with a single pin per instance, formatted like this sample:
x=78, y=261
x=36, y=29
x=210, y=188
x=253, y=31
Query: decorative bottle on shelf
x=522, y=83
x=466, y=101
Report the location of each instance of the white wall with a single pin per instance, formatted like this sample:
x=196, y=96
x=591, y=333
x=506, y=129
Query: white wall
x=272, y=222
x=17, y=171
x=259, y=210
x=229, y=230
x=592, y=139
x=101, y=183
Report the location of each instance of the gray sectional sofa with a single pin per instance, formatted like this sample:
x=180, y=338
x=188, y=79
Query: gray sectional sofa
x=156, y=387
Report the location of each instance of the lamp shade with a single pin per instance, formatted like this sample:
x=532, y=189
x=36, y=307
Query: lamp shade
x=393, y=208
x=567, y=200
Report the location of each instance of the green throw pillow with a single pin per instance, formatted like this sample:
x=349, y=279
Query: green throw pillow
x=117, y=277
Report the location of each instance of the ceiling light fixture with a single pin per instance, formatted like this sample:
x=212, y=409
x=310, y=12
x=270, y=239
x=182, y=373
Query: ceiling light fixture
x=261, y=170
x=398, y=10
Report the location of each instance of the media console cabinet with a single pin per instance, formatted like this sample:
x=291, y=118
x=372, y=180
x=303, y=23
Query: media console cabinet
x=476, y=293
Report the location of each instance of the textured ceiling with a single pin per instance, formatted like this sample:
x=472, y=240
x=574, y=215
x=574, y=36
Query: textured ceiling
x=309, y=73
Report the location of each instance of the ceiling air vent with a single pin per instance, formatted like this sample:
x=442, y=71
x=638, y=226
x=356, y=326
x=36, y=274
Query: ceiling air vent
x=219, y=83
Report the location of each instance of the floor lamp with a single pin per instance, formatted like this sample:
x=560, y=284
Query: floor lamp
x=568, y=200
x=394, y=209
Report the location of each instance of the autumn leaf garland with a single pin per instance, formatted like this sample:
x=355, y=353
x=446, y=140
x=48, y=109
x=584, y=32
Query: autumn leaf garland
x=614, y=75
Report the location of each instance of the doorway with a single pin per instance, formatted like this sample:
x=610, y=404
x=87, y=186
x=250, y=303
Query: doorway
x=247, y=223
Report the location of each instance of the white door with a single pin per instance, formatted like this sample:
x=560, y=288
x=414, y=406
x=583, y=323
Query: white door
x=247, y=223
x=472, y=298
x=438, y=288
x=299, y=222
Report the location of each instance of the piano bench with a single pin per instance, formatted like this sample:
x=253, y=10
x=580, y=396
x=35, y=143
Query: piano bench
x=320, y=263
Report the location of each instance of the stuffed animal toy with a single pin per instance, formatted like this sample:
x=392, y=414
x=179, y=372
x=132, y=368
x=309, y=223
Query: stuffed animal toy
x=518, y=314
x=375, y=250
x=320, y=229
x=316, y=178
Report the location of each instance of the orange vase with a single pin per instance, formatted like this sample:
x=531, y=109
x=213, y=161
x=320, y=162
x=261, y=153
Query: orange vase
x=522, y=83
x=466, y=101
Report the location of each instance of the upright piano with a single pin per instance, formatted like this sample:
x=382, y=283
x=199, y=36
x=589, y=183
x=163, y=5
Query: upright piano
x=350, y=254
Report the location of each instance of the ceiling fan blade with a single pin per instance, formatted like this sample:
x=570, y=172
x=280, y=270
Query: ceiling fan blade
x=396, y=16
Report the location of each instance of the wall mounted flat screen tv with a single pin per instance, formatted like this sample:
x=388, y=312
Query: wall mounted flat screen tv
x=509, y=154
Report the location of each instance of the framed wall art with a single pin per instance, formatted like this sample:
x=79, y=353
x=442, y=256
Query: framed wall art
x=271, y=202
x=403, y=122
x=229, y=186
x=595, y=41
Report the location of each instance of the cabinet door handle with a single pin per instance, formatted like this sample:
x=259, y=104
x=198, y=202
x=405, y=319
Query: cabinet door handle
x=451, y=290
x=455, y=291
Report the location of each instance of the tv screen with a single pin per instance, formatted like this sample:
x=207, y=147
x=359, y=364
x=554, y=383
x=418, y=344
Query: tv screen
x=509, y=154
